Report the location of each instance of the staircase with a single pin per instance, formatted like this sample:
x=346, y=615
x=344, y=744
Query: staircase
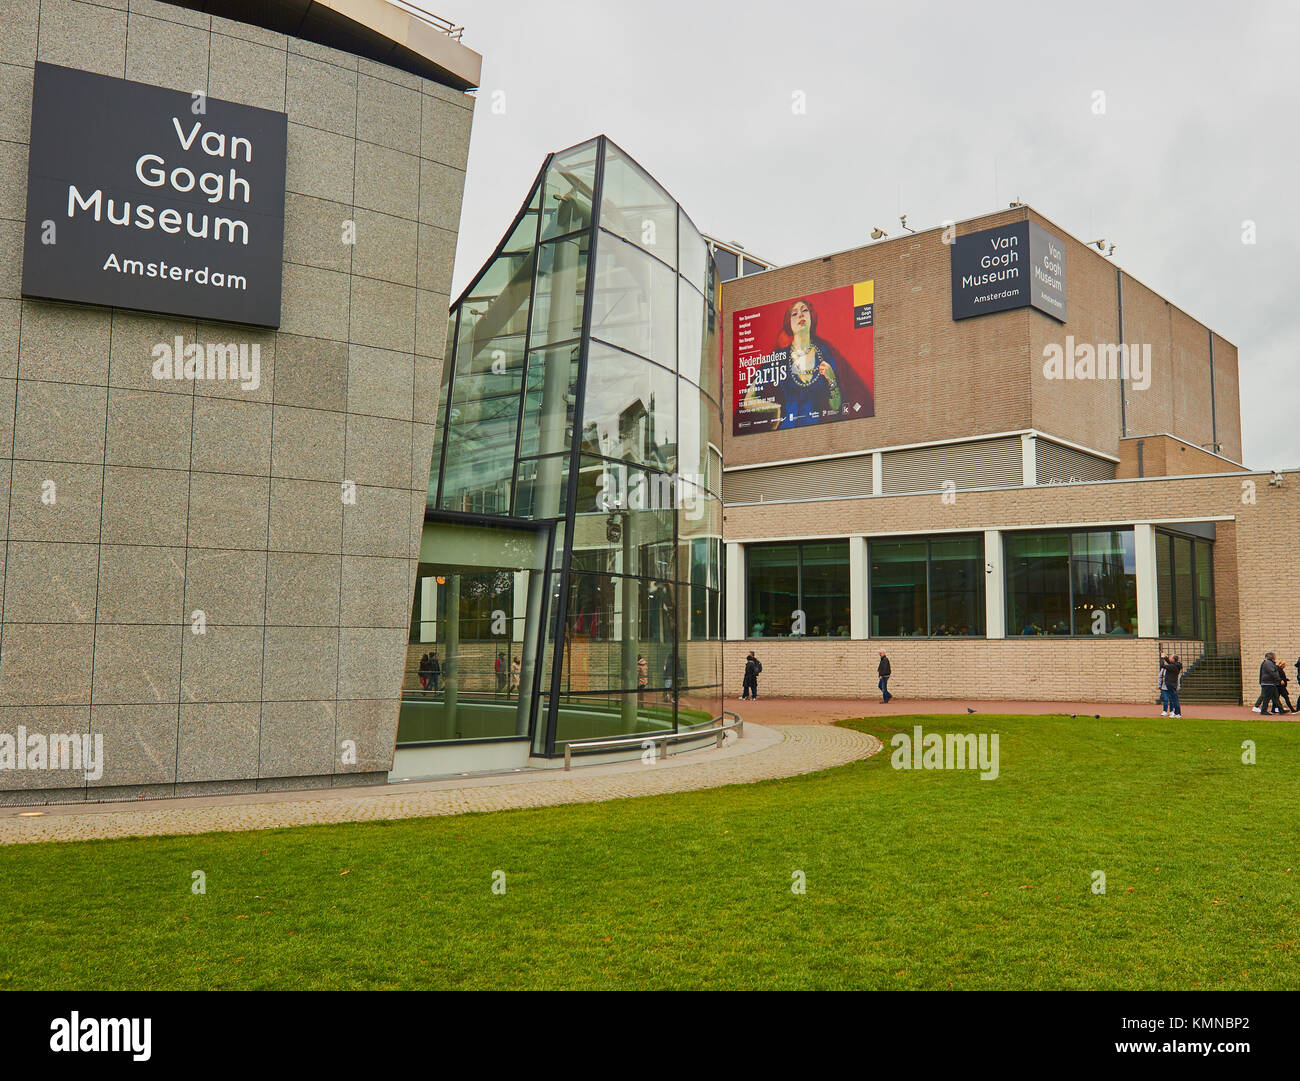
x=1212, y=671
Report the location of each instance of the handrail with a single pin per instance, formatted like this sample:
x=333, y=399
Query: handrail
x=720, y=730
x=437, y=22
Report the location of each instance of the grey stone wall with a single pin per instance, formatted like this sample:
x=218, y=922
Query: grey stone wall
x=173, y=498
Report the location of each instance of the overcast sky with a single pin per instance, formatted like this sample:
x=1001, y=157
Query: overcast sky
x=937, y=111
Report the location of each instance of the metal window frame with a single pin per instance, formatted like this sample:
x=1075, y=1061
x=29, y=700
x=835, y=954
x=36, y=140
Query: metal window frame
x=981, y=589
x=1069, y=574
x=1198, y=631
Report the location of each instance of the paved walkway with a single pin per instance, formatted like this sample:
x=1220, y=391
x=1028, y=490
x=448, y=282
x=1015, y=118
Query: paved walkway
x=790, y=711
x=764, y=753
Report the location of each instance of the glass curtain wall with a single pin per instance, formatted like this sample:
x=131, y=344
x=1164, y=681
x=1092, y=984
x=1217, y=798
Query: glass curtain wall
x=581, y=398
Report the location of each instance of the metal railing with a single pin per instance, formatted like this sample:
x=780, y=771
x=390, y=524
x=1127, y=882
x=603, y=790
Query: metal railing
x=446, y=26
x=718, y=731
x=1211, y=670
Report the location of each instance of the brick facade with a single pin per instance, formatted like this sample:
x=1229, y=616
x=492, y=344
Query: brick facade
x=1254, y=550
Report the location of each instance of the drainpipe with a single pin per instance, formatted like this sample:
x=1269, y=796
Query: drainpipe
x=1140, y=472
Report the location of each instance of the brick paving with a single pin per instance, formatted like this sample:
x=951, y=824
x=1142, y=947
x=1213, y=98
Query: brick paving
x=765, y=752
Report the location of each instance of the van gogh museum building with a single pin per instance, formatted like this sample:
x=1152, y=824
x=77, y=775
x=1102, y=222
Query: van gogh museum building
x=279, y=512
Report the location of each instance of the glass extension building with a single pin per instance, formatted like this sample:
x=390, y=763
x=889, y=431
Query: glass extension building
x=569, y=580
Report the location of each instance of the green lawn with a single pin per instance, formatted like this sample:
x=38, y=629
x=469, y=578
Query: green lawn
x=914, y=880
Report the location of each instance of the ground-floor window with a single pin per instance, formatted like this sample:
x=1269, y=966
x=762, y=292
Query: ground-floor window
x=799, y=590
x=1063, y=583
x=1185, y=586
x=927, y=587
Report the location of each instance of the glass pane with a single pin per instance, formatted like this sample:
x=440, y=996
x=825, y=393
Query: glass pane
x=694, y=254
x=691, y=360
x=541, y=490
x=1205, y=590
x=605, y=716
x=692, y=433
x=898, y=591
x=630, y=410
x=625, y=519
x=1184, y=604
x=727, y=263
x=957, y=585
x=638, y=209
x=619, y=631
x=550, y=399
x=560, y=295
x=772, y=583
x=570, y=183
x=1104, y=568
x=825, y=589
x=469, y=671
x=711, y=358
x=701, y=663
x=1165, y=585
x=1038, y=583
x=483, y=419
x=634, y=302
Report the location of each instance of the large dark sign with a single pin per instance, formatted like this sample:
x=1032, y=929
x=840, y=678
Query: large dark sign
x=158, y=200
x=1013, y=266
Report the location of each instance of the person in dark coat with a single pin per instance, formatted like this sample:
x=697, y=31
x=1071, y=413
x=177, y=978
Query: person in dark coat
x=423, y=672
x=1269, y=681
x=749, y=688
x=1282, y=682
x=884, y=671
x=435, y=670
x=1173, y=668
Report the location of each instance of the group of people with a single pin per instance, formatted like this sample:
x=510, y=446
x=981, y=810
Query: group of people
x=1273, y=684
x=506, y=672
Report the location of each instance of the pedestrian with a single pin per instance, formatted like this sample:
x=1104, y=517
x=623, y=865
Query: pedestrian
x=642, y=678
x=1173, y=667
x=435, y=671
x=1268, y=684
x=501, y=672
x=514, y=675
x=883, y=670
x=749, y=686
x=1281, y=687
x=1160, y=685
x=668, y=677
x=423, y=672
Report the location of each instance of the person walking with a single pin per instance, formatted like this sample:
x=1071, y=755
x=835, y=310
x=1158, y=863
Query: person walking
x=1268, y=684
x=1173, y=678
x=749, y=686
x=883, y=670
x=642, y=678
x=514, y=676
x=1282, y=682
x=501, y=672
x=423, y=672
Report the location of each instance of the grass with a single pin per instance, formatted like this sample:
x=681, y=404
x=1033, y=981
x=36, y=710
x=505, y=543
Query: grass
x=914, y=880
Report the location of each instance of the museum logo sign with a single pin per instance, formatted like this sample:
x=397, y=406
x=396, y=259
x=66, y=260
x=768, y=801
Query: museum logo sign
x=1013, y=266
x=153, y=199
